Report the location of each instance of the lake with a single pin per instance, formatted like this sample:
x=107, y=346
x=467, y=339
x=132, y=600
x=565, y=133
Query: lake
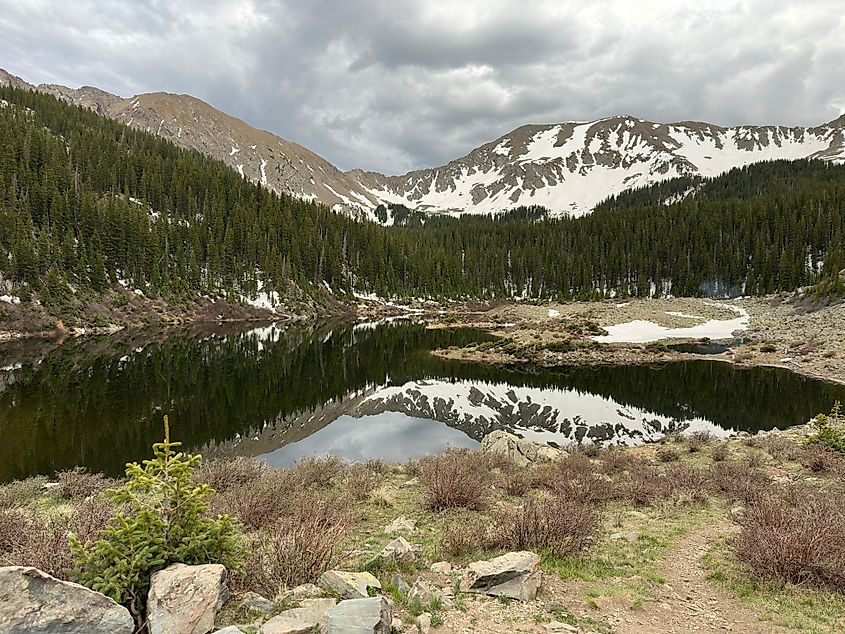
x=357, y=391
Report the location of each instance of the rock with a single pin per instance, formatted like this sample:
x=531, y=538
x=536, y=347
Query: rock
x=360, y=616
x=401, y=525
x=515, y=575
x=423, y=623
x=630, y=536
x=737, y=512
x=349, y=585
x=557, y=626
x=310, y=618
x=34, y=602
x=412, y=482
x=401, y=585
x=441, y=567
x=398, y=624
x=398, y=551
x=185, y=599
x=307, y=591
x=522, y=451
x=232, y=629
x=253, y=601
x=421, y=592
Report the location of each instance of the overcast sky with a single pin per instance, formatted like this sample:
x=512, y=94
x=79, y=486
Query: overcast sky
x=394, y=85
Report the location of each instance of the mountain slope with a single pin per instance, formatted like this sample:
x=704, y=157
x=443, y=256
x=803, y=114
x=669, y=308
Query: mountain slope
x=567, y=167
x=570, y=167
x=262, y=157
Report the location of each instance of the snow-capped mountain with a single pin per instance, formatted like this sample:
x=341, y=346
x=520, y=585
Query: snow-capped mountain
x=567, y=167
x=570, y=167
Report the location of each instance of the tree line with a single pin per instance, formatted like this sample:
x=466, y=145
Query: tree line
x=86, y=202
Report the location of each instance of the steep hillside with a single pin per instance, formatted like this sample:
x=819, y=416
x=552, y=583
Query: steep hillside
x=262, y=157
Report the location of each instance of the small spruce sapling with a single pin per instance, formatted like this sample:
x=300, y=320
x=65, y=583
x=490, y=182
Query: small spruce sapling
x=162, y=521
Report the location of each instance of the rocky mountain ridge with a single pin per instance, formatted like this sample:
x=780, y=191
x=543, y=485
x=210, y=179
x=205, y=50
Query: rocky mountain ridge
x=567, y=167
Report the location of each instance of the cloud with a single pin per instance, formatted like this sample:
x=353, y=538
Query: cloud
x=394, y=86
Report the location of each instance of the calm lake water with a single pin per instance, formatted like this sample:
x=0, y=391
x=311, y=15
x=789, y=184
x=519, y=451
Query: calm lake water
x=354, y=391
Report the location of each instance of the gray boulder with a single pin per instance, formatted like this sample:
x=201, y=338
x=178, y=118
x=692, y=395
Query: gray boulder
x=360, y=616
x=516, y=575
x=254, y=602
x=522, y=451
x=398, y=551
x=186, y=599
x=349, y=585
x=33, y=602
x=310, y=618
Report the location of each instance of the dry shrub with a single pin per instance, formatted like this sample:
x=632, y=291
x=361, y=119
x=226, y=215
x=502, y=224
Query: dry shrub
x=295, y=549
x=819, y=459
x=258, y=502
x=224, y=474
x=619, y=460
x=464, y=535
x=80, y=483
x=557, y=525
x=697, y=440
x=687, y=483
x=776, y=446
x=739, y=481
x=361, y=480
x=316, y=471
x=40, y=538
x=720, y=452
x=645, y=486
x=21, y=492
x=796, y=536
x=456, y=478
x=575, y=476
x=518, y=482
x=667, y=454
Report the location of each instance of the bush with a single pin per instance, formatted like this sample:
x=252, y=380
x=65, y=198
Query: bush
x=697, y=440
x=830, y=430
x=667, y=454
x=258, y=502
x=796, y=537
x=295, y=549
x=230, y=473
x=819, y=459
x=463, y=536
x=39, y=538
x=720, y=452
x=454, y=479
x=163, y=522
x=80, y=483
x=21, y=492
x=645, y=486
x=557, y=525
x=739, y=481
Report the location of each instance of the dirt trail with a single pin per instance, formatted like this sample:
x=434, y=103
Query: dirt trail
x=690, y=602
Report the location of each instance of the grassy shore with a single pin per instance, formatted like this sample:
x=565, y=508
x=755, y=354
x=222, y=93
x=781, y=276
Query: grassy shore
x=746, y=531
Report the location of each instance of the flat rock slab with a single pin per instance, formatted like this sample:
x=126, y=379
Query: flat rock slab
x=360, y=616
x=185, y=599
x=33, y=602
x=349, y=585
x=515, y=575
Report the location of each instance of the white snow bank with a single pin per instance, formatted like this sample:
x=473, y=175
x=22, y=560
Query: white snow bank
x=10, y=299
x=554, y=313
x=641, y=331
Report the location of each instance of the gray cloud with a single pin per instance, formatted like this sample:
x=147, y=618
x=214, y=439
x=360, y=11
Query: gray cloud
x=393, y=86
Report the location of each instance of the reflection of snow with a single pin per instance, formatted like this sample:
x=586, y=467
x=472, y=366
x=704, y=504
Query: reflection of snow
x=542, y=414
x=641, y=331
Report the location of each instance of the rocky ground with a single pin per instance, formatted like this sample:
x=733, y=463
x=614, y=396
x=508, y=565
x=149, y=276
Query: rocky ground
x=782, y=332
